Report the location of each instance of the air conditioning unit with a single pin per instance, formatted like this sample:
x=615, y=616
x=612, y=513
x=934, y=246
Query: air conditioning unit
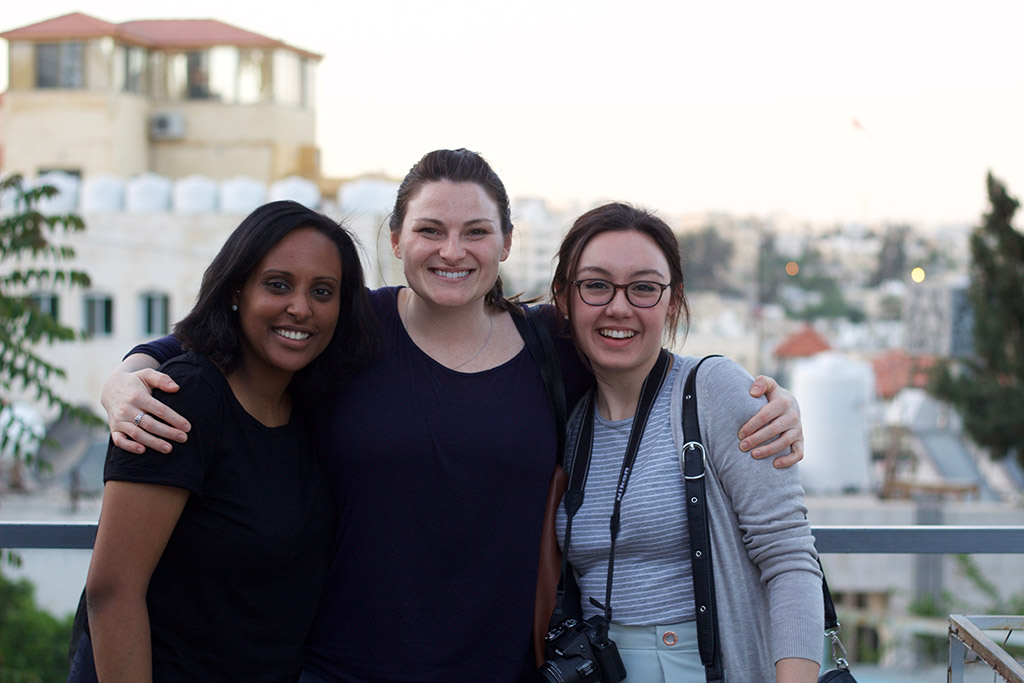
x=167, y=125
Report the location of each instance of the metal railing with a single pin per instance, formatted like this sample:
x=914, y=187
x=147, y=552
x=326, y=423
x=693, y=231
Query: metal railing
x=65, y=535
x=967, y=640
x=910, y=539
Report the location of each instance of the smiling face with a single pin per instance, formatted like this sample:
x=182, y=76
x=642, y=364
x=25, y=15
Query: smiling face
x=619, y=338
x=451, y=243
x=288, y=307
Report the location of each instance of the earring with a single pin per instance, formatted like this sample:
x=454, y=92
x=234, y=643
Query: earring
x=234, y=307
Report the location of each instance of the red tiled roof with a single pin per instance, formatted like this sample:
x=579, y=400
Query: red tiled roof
x=801, y=344
x=74, y=25
x=196, y=33
x=175, y=34
x=895, y=370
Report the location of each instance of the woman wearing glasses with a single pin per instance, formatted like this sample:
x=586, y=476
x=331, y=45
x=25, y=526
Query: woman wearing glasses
x=619, y=285
x=439, y=451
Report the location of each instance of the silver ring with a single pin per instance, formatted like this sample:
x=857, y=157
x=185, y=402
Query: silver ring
x=138, y=419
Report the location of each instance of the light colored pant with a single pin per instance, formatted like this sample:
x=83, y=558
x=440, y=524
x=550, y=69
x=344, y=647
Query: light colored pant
x=659, y=654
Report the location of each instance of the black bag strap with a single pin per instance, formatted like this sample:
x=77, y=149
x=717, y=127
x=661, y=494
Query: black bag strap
x=700, y=547
x=537, y=337
x=832, y=627
x=694, y=457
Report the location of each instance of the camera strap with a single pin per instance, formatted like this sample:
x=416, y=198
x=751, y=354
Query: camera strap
x=581, y=467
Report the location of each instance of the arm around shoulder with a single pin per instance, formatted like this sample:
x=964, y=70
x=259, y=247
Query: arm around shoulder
x=775, y=427
x=137, y=420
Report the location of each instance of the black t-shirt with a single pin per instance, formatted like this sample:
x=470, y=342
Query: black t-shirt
x=234, y=594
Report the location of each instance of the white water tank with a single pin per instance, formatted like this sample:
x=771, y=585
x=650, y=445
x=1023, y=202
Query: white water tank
x=23, y=430
x=148, y=193
x=66, y=199
x=297, y=189
x=195, y=194
x=835, y=393
x=102, y=193
x=367, y=196
x=242, y=195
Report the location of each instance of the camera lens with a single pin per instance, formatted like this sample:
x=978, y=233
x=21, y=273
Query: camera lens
x=549, y=673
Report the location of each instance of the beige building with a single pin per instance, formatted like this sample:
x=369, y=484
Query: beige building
x=163, y=135
x=173, y=97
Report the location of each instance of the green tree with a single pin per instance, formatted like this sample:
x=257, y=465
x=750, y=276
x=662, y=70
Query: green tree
x=892, y=257
x=831, y=304
x=33, y=643
x=706, y=255
x=771, y=270
x=813, y=276
x=31, y=262
x=987, y=389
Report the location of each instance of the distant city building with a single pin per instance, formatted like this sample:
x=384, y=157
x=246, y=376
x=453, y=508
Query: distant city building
x=801, y=344
x=896, y=370
x=173, y=97
x=538, y=232
x=938, y=319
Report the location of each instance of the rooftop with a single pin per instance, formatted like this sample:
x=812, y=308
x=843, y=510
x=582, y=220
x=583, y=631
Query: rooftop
x=895, y=370
x=805, y=342
x=168, y=34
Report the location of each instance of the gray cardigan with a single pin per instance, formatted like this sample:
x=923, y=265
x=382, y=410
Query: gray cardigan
x=768, y=584
x=767, y=580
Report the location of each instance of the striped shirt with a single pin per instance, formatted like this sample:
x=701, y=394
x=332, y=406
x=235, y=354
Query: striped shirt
x=652, y=582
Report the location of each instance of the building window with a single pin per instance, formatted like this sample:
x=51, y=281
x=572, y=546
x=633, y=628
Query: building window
x=255, y=79
x=60, y=65
x=46, y=303
x=99, y=315
x=287, y=78
x=306, y=67
x=155, y=313
x=134, y=66
x=197, y=75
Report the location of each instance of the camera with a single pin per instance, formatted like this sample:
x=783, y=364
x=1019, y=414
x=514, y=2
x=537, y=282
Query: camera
x=580, y=652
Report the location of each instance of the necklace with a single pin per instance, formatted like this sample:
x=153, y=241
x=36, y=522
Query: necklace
x=481, y=350
x=475, y=355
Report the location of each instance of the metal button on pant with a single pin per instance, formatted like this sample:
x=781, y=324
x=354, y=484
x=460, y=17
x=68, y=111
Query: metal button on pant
x=659, y=654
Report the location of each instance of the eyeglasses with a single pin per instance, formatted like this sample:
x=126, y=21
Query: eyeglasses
x=642, y=293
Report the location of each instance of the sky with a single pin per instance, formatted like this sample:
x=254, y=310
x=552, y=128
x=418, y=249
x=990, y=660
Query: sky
x=869, y=112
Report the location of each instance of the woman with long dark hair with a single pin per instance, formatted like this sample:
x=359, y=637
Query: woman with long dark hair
x=208, y=565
